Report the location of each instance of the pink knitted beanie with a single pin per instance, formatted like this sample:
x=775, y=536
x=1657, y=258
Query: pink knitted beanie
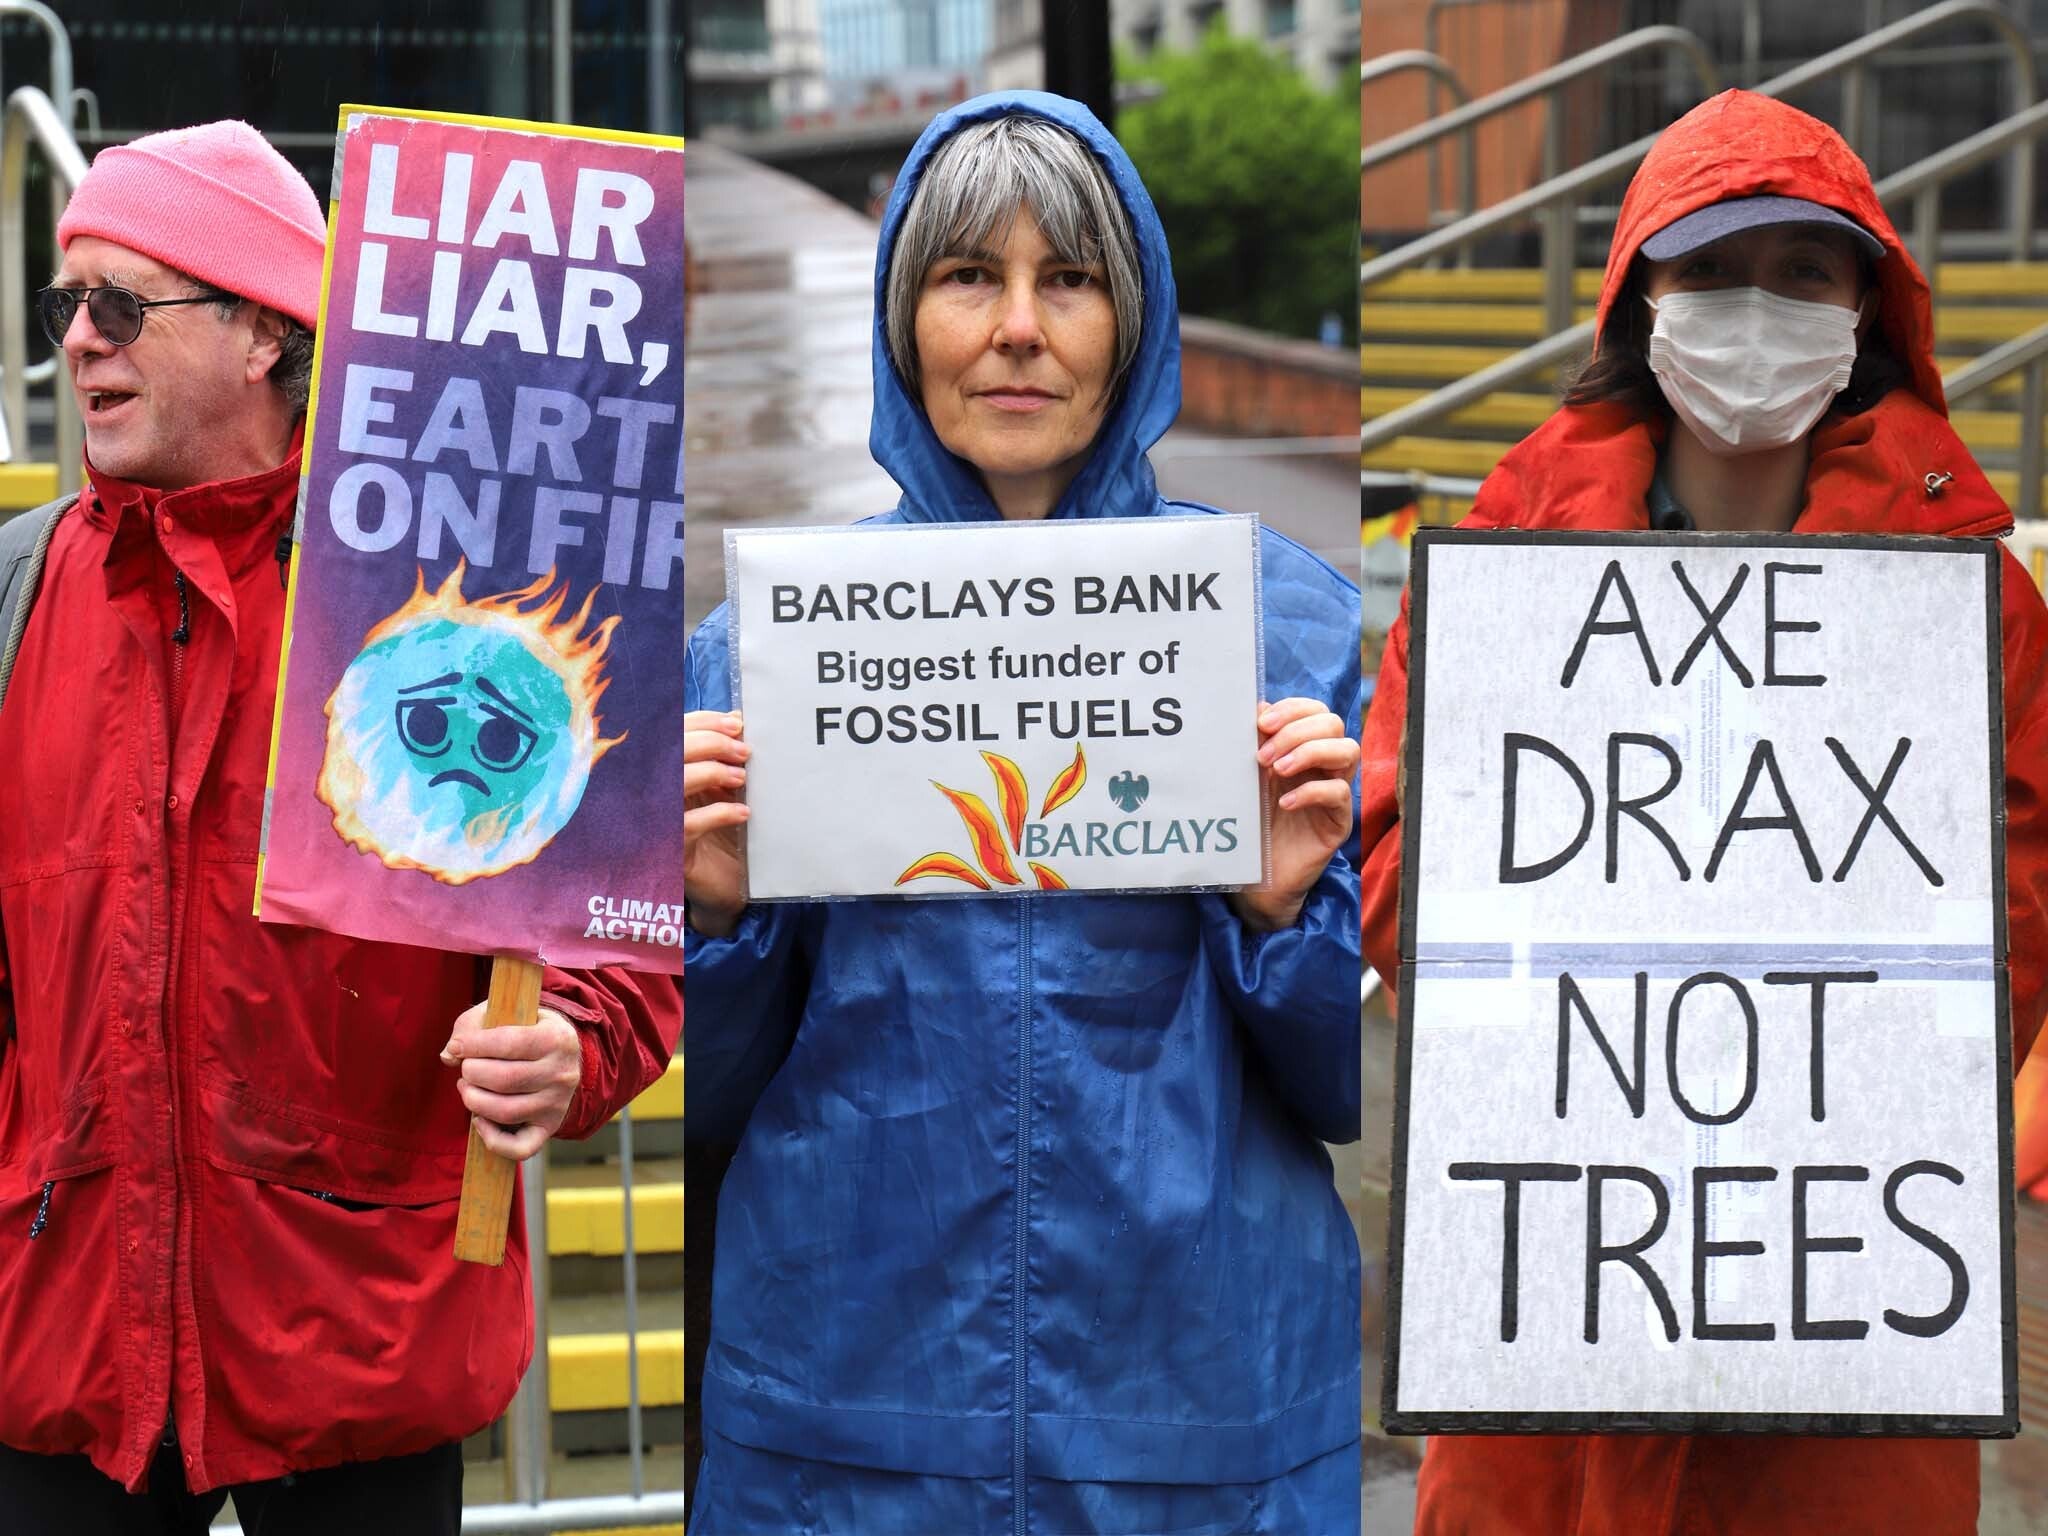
x=216, y=202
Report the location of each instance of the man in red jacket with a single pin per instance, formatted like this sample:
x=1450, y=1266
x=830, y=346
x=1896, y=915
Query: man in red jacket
x=229, y=1151
x=1755, y=203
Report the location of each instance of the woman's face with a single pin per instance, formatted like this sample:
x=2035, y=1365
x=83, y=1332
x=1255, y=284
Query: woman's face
x=1794, y=261
x=1015, y=349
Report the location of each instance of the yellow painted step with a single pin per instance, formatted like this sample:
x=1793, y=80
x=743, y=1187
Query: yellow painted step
x=1480, y=285
x=1505, y=411
x=1987, y=431
x=1958, y=280
x=2007, y=483
x=593, y=1220
x=1993, y=279
x=1985, y=325
x=1419, y=360
x=1436, y=456
x=1501, y=322
x=662, y=1099
x=588, y=1370
x=26, y=485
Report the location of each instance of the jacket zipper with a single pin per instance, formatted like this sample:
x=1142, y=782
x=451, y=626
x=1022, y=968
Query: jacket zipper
x=174, y=949
x=180, y=638
x=1019, y=1334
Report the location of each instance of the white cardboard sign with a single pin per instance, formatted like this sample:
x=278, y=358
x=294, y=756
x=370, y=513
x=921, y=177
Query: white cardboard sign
x=999, y=708
x=1703, y=1112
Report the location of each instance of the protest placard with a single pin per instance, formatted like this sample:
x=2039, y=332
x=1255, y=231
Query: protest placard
x=479, y=732
x=1703, y=1114
x=999, y=708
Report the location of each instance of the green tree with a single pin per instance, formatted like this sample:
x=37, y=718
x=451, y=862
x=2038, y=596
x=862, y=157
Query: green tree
x=1255, y=174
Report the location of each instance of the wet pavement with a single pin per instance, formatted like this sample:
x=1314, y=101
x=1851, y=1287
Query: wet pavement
x=777, y=392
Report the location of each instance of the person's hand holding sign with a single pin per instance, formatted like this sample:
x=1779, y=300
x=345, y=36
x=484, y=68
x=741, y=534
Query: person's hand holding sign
x=1303, y=742
x=714, y=774
x=518, y=1081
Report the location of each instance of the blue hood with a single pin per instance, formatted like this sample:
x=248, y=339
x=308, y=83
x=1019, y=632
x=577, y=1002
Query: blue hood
x=939, y=486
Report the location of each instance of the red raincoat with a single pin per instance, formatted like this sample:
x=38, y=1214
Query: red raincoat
x=1591, y=467
x=180, y=1085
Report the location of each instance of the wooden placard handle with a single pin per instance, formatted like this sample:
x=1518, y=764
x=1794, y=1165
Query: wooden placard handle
x=486, y=1177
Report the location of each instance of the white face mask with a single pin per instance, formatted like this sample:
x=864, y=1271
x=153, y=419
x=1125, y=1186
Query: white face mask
x=1747, y=369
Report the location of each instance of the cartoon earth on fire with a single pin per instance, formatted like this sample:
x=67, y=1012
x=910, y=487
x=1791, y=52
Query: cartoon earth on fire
x=462, y=735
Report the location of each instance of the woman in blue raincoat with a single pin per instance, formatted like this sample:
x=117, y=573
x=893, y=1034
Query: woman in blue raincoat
x=1030, y=1228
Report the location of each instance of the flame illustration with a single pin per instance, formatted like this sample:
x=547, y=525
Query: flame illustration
x=947, y=864
x=1013, y=794
x=982, y=828
x=1067, y=785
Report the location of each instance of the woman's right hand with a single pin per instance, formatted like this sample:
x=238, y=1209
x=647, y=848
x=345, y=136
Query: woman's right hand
x=714, y=860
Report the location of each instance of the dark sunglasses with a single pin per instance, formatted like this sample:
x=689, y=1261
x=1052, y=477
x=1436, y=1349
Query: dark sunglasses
x=115, y=312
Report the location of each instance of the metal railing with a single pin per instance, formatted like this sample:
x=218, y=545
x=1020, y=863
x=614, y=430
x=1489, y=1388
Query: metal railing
x=1437, y=69
x=529, y=1421
x=2028, y=356
x=1920, y=183
x=31, y=118
x=1548, y=86
x=1474, y=387
x=61, y=80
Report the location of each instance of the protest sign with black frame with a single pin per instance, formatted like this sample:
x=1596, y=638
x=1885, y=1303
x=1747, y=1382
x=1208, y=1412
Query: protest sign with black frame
x=1905, y=945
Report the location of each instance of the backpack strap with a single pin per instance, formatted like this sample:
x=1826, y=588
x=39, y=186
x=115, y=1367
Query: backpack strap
x=24, y=544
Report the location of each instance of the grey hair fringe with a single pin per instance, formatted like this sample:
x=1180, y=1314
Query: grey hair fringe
x=971, y=191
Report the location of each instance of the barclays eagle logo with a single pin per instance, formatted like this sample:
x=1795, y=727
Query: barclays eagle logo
x=1129, y=792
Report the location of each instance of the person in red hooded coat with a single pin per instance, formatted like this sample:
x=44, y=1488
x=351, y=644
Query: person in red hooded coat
x=1764, y=361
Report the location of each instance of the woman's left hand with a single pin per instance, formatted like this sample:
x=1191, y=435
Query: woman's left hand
x=1306, y=764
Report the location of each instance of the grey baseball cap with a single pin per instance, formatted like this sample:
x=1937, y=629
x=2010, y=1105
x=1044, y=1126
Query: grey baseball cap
x=1719, y=220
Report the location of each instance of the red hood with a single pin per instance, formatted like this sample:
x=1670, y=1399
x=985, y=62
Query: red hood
x=1741, y=144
